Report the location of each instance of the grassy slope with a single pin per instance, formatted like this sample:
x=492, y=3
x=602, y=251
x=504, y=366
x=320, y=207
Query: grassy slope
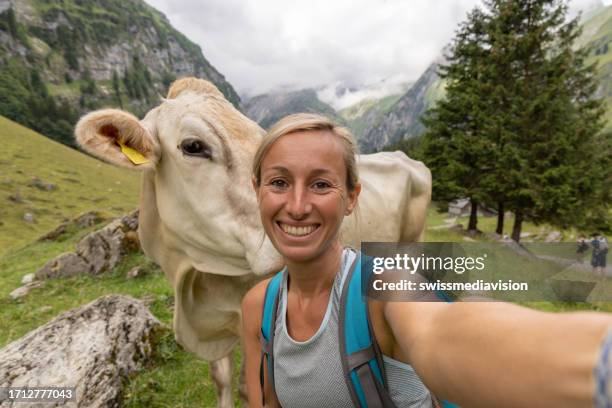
x=83, y=183
x=174, y=377
x=596, y=32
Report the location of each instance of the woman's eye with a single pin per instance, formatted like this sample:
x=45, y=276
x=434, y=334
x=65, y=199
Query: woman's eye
x=195, y=147
x=321, y=185
x=278, y=183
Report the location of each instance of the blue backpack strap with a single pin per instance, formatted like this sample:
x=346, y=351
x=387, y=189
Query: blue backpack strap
x=361, y=356
x=268, y=323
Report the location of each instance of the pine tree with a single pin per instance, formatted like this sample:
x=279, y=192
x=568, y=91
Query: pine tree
x=531, y=117
x=455, y=146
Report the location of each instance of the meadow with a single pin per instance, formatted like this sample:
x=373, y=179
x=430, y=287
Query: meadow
x=174, y=377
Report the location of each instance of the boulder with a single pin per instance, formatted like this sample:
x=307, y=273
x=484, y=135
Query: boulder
x=93, y=348
x=98, y=251
x=82, y=221
x=65, y=265
x=102, y=249
x=28, y=217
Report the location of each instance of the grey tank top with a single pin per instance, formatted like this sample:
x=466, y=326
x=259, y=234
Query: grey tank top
x=309, y=373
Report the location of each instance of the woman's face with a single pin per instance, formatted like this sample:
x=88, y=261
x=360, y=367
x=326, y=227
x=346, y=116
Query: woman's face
x=303, y=196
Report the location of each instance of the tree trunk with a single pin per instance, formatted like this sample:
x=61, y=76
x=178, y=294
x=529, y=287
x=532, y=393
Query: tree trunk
x=500, y=218
x=516, y=229
x=473, y=216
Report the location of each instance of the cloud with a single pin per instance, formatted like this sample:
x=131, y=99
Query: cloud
x=270, y=44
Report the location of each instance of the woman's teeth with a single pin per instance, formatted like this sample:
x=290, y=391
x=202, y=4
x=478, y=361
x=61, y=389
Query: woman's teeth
x=297, y=231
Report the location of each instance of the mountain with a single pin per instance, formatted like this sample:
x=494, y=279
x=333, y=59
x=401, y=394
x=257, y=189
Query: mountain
x=401, y=120
x=363, y=115
x=268, y=108
x=59, y=59
x=597, y=34
x=43, y=182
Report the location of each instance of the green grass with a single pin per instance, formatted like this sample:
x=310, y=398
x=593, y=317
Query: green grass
x=173, y=378
x=83, y=184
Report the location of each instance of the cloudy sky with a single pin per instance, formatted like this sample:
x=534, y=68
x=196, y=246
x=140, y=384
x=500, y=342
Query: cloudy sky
x=269, y=44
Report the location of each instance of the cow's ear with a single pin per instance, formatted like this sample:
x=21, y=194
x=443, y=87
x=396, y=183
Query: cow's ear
x=118, y=137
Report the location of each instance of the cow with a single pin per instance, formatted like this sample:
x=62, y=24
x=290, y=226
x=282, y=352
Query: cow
x=199, y=218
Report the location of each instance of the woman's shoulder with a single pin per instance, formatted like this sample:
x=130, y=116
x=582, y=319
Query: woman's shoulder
x=254, y=298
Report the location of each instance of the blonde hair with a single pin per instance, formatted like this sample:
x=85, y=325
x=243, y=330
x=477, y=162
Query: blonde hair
x=301, y=122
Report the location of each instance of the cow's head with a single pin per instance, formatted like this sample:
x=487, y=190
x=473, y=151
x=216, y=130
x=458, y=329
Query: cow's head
x=196, y=151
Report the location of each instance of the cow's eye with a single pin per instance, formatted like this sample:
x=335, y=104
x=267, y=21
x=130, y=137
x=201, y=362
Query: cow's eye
x=195, y=147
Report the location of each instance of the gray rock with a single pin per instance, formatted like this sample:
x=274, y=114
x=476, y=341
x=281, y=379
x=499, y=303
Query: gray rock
x=28, y=217
x=23, y=291
x=82, y=221
x=98, y=252
x=93, y=348
x=41, y=185
x=29, y=278
x=65, y=265
x=136, y=272
x=89, y=219
x=102, y=249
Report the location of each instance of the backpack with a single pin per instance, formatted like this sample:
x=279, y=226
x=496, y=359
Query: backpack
x=603, y=244
x=361, y=357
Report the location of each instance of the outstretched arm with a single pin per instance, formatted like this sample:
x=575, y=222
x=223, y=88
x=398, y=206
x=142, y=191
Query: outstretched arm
x=499, y=354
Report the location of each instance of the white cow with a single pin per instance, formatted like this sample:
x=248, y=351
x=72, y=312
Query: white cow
x=198, y=213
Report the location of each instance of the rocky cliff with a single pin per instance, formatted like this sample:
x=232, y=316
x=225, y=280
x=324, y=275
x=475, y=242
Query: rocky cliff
x=62, y=58
x=402, y=120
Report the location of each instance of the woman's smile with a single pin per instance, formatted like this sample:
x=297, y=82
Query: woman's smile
x=298, y=231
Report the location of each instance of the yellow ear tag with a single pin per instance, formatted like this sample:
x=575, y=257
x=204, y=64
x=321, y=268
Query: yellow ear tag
x=134, y=155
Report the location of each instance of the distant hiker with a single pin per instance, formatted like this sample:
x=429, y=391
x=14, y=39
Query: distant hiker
x=600, y=252
x=583, y=246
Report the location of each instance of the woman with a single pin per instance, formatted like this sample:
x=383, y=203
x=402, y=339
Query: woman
x=474, y=354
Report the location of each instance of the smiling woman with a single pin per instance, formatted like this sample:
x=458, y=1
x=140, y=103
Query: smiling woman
x=474, y=354
x=302, y=203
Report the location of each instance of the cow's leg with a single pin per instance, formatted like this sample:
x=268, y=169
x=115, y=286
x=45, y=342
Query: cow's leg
x=221, y=371
x=242, y=390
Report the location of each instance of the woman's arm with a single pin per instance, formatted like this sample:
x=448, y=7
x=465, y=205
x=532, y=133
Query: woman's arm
x=252, y=307
x=499, y=354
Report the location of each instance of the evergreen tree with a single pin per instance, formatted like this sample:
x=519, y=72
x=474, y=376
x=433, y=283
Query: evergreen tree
x=524, y=134
x=455, y=145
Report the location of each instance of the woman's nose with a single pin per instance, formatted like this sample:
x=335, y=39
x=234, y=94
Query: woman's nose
x=298, y=204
